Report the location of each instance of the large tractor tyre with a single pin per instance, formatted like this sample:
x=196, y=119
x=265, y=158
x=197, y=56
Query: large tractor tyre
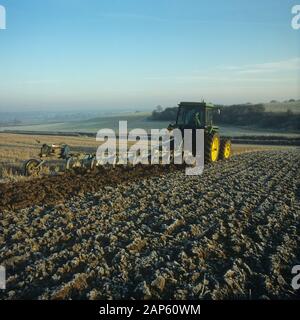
x=212, y=148
x=225, y=150
x=32, y=168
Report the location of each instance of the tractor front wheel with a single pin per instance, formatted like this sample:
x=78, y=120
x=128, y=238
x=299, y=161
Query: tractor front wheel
x=212, y=147
x=226, y=150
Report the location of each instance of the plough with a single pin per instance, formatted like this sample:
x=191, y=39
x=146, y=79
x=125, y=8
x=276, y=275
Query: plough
x=75, y=161
x=55, y=152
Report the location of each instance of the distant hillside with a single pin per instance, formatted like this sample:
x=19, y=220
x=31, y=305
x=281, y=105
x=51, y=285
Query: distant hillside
x=284, y=116
x=282, y=106
x=234, y=121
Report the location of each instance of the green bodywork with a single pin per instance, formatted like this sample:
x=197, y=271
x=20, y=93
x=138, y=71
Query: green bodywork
x=195, y=115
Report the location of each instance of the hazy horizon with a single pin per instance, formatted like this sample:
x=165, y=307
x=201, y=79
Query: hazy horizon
x=122, y=109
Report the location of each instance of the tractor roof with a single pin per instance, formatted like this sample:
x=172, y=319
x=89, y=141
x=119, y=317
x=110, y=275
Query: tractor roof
x=196, y=104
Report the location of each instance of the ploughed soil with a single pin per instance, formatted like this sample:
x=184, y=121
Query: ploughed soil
x=154, y=233
x=55, y=189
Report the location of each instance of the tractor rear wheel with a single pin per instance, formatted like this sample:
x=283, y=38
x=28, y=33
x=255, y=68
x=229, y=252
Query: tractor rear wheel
x=225, y=150
x=32, y=168
x=212, y=147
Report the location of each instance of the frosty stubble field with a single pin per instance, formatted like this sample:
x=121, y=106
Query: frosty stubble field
x=233, y=232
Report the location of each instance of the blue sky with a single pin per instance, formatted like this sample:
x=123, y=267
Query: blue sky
x=75, y=54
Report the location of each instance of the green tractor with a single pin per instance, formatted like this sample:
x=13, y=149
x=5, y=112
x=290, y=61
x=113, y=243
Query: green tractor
x=199, y=115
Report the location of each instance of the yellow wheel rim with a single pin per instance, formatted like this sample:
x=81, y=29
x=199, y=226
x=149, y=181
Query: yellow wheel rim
x=227, y=150
x=215, y=146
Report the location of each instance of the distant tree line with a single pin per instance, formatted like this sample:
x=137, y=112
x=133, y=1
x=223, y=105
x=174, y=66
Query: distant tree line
x=168, y=114
x=241, y=115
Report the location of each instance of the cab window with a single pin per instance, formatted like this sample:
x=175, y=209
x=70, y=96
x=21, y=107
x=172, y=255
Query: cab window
x=209, y=117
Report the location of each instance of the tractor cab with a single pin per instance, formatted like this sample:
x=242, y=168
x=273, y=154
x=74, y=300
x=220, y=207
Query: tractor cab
x=195, y=115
